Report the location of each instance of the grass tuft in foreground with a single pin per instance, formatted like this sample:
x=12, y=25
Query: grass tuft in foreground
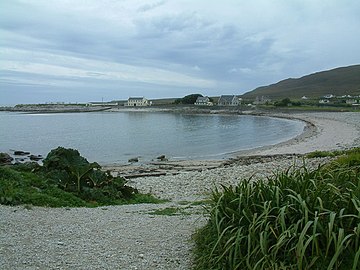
x=298, y=219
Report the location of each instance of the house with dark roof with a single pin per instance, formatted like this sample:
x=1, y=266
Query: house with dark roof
x=229, y=100
x=203, y=101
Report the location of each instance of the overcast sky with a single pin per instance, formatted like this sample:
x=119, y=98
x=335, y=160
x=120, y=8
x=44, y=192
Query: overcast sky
x=89, y=50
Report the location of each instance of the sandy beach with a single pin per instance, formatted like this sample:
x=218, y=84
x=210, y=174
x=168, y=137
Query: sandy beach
x=133, y=237
x=329, y=131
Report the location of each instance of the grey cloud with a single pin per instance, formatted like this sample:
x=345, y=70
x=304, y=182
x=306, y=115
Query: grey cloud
x=149, y=7
x=289, y=39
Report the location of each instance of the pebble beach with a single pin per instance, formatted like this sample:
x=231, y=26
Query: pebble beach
x=134, y=236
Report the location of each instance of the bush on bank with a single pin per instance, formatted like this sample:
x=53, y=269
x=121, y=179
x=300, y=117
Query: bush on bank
x=65, y=179
x=298, y=219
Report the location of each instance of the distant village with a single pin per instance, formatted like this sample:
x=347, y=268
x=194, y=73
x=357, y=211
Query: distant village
x=236, y=100
x=197, y=100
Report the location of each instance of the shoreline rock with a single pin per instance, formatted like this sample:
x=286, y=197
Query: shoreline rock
x=21, y=153
x=5, y=159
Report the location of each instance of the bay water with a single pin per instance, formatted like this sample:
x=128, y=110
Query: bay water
x=115, y=137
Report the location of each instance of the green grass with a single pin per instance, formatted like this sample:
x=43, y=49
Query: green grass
x=65, y=179
x=320, y=154
x=195, y=203
x=168, y=211
x=311, y=108
x=19, y=185
x=297, y=219
x=171, y=211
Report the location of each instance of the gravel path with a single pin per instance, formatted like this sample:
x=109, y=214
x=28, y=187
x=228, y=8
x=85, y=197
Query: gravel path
x=115, y=237
x=132, y=236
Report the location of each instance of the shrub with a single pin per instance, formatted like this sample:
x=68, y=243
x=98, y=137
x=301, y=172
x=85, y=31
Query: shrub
x=283, y=103
x=72, y=172
x=73, y=167
x=189, y=99
x=66, y=179
x=18, y=187
x=298, y=219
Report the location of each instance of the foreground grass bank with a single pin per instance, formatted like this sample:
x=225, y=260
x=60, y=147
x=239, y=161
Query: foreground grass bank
x=298, y=219
x=65, y=179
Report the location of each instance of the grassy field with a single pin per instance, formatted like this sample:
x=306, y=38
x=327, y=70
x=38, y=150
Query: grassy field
x=339, y=81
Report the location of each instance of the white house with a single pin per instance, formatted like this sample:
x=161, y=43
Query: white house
x=137, y=102
x=351, y=101
x=229, y=100
x=203, y=101
x=324, y=101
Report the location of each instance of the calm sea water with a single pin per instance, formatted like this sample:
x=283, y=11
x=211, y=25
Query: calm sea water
x=115, y=137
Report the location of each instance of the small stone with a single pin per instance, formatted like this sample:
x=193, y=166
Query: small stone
x=132, y=160
x=35, y=158
x=162, y=158
x=141, y=256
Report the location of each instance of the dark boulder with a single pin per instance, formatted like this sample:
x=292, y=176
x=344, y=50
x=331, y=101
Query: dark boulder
x=162, y=158
x=133, y=160
x=21, y=153
x=5, y=158
x=35, y=158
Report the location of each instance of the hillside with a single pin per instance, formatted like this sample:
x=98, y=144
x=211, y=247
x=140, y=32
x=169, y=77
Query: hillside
x=339, y=81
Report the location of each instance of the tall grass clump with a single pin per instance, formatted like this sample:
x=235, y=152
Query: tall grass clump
x=297, y=219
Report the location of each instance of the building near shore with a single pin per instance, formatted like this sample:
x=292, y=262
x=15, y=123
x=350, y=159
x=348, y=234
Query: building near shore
x=102, y=104
x=352, y=102
x=138, y=102
x=203, y=101
x=229, y=100
x=261, y=100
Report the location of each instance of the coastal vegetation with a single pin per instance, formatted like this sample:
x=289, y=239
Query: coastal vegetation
x=189, y=99
x=320, y=154
x=65, y=179
x=306, y=107
x=297, y=219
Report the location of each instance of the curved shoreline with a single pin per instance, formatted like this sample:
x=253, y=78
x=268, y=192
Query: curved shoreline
x=309, y=131
x=327, y=132
x=323, y=132
x=132, y=236
x=315, y=126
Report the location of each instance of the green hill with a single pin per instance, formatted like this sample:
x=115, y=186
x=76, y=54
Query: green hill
x=338, y=81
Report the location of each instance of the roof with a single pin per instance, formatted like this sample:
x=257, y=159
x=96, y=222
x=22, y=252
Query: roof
x=226, y=98
x=136, y=98
x=202, y=99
